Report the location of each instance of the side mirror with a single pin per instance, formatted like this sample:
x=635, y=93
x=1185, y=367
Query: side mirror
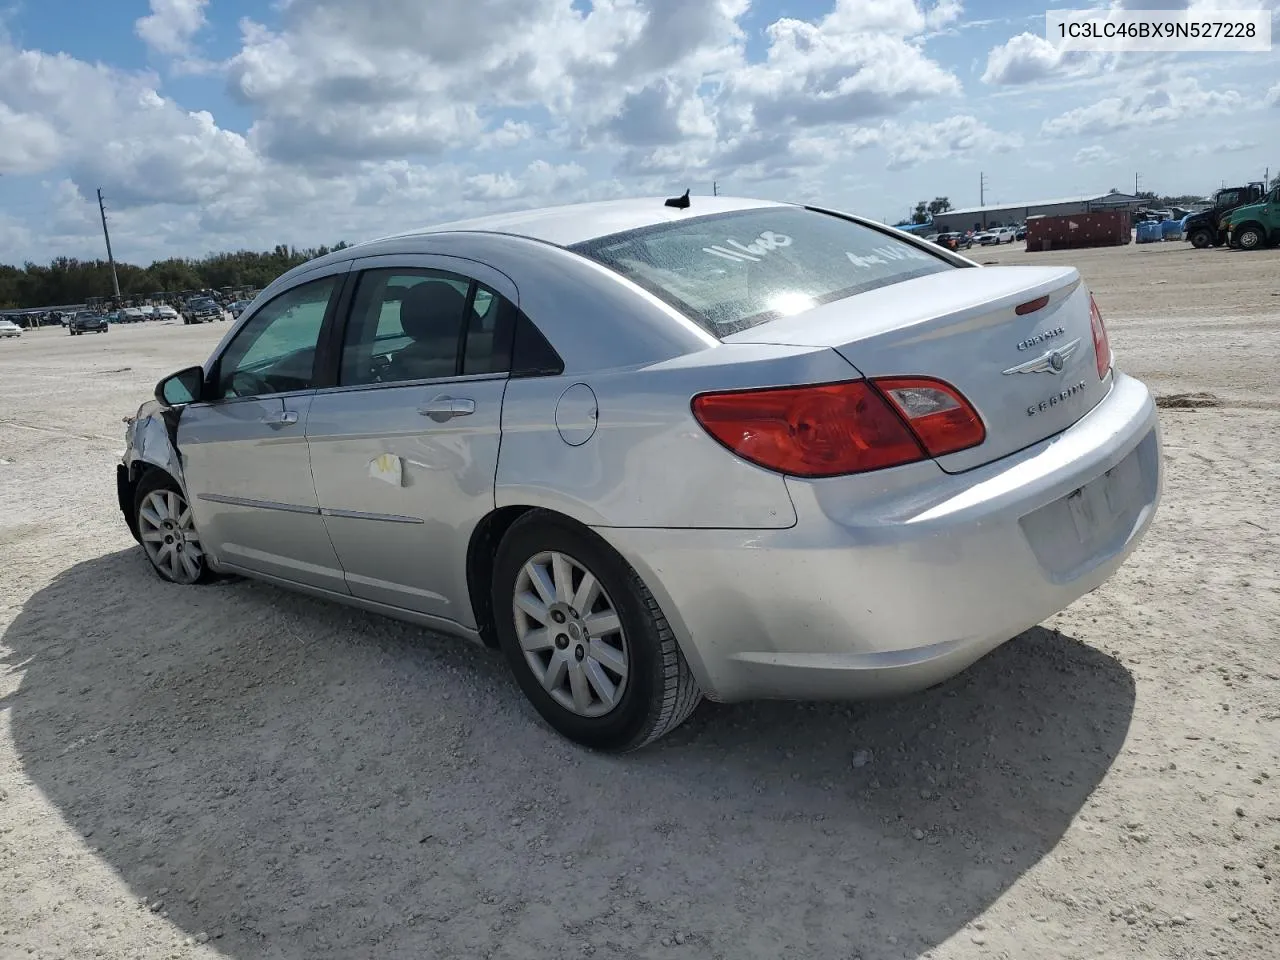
x=185, y=386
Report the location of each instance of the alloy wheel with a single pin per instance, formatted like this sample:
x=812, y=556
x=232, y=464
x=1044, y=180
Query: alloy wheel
x=169, y=536
x=570, y=633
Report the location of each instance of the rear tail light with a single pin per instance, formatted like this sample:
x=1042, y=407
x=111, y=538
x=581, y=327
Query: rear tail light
x=942, y=419
x=1101, y=343
x=840, y=428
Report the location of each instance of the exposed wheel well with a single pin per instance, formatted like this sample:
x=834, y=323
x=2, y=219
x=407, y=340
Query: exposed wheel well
x=480, y=556
x=481, y=553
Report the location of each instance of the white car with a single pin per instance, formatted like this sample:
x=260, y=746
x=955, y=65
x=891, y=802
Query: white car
x=9, y=329
x=165, y=312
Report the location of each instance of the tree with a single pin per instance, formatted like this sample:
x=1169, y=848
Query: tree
x=921, y=213
x=939, y=205
x=68, y=281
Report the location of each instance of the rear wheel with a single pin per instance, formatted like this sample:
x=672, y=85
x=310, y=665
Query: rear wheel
x=586, y=639
x=1201, y=238
x=167, y=531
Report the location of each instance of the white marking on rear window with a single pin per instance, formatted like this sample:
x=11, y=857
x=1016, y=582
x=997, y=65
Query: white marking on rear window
x=754, y=251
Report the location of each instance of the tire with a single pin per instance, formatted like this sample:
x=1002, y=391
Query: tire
x=658, y=691
x=155, y=488
x=1250, y=237
x=1201, y=238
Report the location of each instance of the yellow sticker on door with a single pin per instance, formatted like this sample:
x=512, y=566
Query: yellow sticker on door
x=387, y=468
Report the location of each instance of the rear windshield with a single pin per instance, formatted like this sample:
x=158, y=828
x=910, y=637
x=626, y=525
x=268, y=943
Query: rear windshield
x=730, y=272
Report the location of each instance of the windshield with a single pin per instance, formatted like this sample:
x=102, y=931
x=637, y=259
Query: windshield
x=733, y=271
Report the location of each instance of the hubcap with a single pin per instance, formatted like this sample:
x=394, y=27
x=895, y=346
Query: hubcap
x=169, y=536
x=570, y=633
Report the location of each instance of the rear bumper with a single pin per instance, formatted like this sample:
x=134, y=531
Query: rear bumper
x=892, y=582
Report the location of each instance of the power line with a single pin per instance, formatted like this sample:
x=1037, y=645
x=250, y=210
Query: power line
x=115, y=282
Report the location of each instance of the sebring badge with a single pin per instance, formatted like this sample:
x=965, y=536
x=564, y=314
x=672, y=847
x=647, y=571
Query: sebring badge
x=1051, y=361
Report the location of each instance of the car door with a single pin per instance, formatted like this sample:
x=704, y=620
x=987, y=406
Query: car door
x=244, y=451
x=405, y=448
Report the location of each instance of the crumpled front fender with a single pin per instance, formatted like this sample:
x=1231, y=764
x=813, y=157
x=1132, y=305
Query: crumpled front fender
x=151, y=440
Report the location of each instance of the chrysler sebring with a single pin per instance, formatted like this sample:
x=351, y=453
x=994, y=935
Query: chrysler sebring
x=659, y=450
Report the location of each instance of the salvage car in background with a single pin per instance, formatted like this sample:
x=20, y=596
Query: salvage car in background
x=655, y=451
x=87, y=321
x=9, y=329
x=201, y=310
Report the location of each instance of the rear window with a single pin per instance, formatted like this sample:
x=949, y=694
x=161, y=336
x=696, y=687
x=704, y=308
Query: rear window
x=733, y=271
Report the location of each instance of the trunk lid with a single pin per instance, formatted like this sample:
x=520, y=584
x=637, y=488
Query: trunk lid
x=1029, y=376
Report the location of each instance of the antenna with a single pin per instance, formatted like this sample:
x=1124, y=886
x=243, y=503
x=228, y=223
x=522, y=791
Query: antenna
x=681, y=202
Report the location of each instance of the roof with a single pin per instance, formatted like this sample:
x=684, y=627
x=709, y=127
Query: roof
x=573, y=223
x=1088, y=198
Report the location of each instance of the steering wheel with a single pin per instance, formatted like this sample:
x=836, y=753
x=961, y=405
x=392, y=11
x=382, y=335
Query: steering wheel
x=246, y=383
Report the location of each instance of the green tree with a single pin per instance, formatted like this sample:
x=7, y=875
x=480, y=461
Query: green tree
x=939, y=205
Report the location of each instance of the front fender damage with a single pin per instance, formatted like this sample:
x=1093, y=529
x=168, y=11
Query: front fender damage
x=151, y=441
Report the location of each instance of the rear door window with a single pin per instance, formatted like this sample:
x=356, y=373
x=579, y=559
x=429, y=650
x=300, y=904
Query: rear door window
x=730, y=272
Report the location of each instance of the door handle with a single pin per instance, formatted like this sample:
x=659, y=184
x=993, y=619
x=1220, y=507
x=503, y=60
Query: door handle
x=283, y=418
x=446, y=408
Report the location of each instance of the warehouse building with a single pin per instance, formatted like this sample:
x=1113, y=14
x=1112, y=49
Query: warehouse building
x=1005, y=214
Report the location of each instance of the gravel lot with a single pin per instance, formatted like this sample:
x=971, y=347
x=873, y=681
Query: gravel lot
x=237, y=771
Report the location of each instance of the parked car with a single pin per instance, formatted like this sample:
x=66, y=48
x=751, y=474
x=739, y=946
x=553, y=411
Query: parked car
x=165, y=312
x=9, y=329
x=996, y=235
x=201, y=310
x=954, y=241
x=747, y=450
x=237, y=307
x=88, y=321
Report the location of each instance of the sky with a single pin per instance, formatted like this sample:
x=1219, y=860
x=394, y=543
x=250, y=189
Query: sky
x=227, y=124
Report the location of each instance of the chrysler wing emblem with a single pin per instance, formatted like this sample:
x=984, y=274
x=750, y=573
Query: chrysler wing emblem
x=1051, y=361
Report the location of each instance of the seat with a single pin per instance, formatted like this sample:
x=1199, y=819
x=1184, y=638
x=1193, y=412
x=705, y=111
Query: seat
x=431, y=316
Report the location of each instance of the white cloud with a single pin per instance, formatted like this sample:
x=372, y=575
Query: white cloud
x=1273, y=96
x=955, y=137
x=1148, y=102
x=28, y=142
x=171, y=25
x=1029, y=57
x=1093, y=154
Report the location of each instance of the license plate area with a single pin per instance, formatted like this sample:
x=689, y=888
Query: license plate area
x=1089, y=524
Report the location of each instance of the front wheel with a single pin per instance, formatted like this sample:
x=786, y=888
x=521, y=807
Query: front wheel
x=1250, y=237
x=586, y=639
x=167, y=531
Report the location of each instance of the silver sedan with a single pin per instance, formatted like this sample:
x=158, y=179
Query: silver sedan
x=656, y=451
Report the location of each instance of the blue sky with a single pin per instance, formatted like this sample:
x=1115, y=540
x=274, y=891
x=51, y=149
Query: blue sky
x=215, y=124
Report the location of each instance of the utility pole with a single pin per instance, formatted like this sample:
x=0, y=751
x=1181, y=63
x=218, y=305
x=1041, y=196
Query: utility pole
x=715, y=189
x=115, y=281
x=1136, y=179
x=982, y=189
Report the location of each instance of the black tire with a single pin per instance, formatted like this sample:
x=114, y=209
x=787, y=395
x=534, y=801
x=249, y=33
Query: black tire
x=1201, y=238
x=151, y=482
x=660, y=691
x=1250, y=237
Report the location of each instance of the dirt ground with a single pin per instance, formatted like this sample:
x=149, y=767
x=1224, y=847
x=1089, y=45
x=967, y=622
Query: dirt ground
x=237, y=771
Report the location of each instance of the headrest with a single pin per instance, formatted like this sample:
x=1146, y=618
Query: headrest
x=432, y=309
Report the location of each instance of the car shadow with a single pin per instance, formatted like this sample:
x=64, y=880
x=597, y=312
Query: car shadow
x=298, y=780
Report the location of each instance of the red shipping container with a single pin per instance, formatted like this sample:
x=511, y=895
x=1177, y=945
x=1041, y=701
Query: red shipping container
x=1106, y=228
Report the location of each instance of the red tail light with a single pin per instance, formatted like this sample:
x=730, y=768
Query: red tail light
x=841, y=428
x=939, y=416
x=1101, y=344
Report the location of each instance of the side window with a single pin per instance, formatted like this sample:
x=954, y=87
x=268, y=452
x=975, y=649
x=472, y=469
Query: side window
x=275, y=352
x=419, y=324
